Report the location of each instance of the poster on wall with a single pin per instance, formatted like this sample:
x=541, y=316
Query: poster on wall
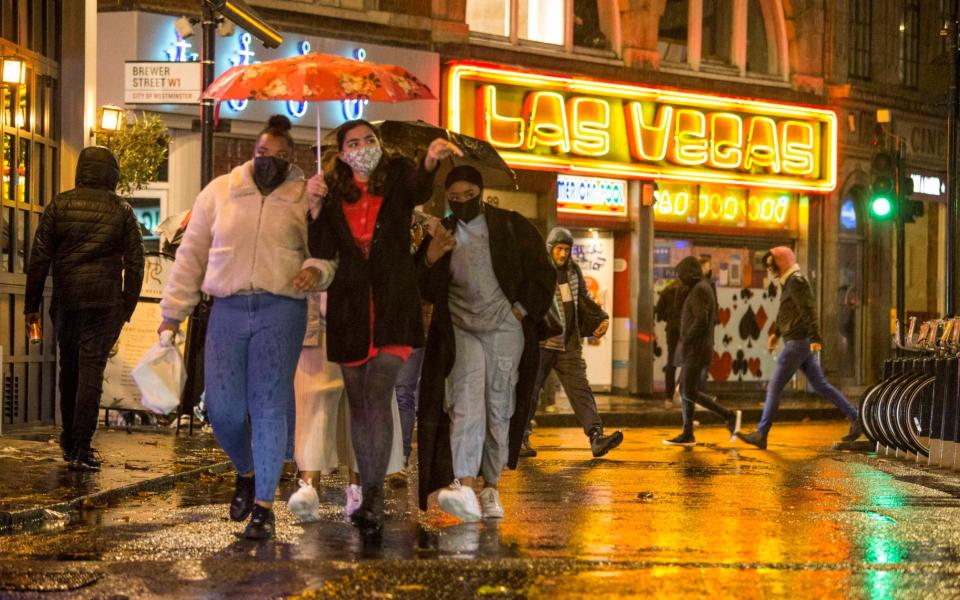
x=594, y=255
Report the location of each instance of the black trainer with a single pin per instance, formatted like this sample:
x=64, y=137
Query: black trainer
x=757, y=438
x=242, y=502
x=601, y=444
x=856, y=430
x=84, y=458
x=685, y=439
x=262, y=524
x=526, y=450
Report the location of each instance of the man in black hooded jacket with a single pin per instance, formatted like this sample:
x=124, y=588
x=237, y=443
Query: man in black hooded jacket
x=91, y=239
x=695, y=351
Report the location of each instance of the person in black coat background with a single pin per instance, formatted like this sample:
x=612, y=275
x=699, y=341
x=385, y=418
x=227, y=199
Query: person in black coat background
x=668, y=309
x=489, y=295
x=373, y=305
x=695, y=351
x=91, y=239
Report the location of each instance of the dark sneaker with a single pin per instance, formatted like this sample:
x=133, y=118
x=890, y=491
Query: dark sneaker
x=262, y=524
x=684, y=439
x=734, y=423
x=756, y=438
x=242, y=502
x=855, y=432
x=85, y=458
x=601, y=444
x=526, y=450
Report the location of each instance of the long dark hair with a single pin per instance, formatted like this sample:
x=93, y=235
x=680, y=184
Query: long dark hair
x=340, y=179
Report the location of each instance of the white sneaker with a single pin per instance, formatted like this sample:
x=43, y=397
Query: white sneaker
x=354, y=499
x=490, y=503
x=304, y=504
x=460, y=501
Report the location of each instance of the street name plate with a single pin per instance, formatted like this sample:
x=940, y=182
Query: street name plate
x=162, y=82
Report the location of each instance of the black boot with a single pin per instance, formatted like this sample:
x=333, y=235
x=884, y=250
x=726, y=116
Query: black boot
x=84, y=458
x=757, y=438
x=369, y=517
x=262, y=524
x=601, y=444
x=66, y=445
x=242, y=502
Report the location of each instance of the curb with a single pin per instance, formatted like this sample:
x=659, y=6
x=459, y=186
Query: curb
x=35, y=516
x=661, y=418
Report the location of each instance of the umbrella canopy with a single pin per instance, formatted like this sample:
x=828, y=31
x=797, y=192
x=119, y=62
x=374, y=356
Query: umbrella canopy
x=411, y=139
x=318, y=77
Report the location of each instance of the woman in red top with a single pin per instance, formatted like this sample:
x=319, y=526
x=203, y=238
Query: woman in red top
x=373, y=304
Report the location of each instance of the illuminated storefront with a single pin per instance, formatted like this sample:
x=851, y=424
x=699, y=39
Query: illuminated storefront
x=716, y=176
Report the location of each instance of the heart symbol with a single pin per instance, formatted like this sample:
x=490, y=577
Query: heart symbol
x=723, y=315
x=753, y=365
x=721, y=366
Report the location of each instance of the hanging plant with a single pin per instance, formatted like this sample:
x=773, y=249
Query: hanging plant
x=141, y=147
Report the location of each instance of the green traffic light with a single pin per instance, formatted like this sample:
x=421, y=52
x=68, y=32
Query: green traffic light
x=881, y=207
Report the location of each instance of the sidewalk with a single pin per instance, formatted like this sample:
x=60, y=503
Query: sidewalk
x=38, y=486
x=629, y=411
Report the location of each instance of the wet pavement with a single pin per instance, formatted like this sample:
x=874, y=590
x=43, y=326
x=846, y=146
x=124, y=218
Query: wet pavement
x=718, y=520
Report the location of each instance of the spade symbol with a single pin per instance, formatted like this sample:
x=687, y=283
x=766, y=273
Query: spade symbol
x=749, y=328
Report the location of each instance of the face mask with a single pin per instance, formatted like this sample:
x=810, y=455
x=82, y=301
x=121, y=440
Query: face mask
x=467, y=210
x=269, y=172
x=363, y=160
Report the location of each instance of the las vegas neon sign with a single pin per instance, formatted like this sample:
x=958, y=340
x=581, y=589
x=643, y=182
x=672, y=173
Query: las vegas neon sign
x=580, y=126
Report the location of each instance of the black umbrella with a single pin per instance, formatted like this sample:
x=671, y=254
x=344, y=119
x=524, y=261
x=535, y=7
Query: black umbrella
x=411, y=139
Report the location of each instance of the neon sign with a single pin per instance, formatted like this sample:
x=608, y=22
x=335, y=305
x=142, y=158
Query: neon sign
x=295, y=108
x=571, y=125
x=353, y=109
x=243, y=56
x=591, y=196
x=180, y=51
x=722, y=206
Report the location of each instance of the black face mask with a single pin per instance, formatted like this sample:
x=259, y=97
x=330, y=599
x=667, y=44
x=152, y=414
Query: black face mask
x=468, y=210
x=269, y=172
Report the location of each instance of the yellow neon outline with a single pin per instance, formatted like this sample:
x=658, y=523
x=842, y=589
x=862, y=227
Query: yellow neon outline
x=667, y=204
x=762, y=155
x=252, y=23
x=546, y=134
x=797, y=157
x=684, y=149
x=725, y=154
x=637, y=127
x=589, y=138
x=488, y=101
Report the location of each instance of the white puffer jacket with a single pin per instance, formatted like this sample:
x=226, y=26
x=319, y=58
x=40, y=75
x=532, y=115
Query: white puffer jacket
x=239, y=241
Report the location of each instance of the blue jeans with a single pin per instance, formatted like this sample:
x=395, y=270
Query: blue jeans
x=253, y=343
x=796, y=355
x=408, y=383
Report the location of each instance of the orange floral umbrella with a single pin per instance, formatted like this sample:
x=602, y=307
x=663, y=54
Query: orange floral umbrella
x=318, y=77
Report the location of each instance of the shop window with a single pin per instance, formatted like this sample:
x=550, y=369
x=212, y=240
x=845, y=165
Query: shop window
x=717, y=30
x=910, y=43
x=861, y=18
x=545, y=21
x=9, y=142
x=24, y=116
x=848, y=216
x=23, y=171
x=672, y=33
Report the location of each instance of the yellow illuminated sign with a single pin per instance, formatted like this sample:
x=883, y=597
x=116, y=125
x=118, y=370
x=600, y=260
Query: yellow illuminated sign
x=724, y=206
x=580, y=126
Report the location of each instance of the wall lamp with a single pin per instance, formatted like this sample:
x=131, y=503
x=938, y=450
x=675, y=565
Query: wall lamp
x=14, y=71
x=110, y=119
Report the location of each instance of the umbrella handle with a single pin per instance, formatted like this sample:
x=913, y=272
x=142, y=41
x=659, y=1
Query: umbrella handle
x=319, y=140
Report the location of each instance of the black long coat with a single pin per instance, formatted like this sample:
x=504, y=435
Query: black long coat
x=525, y=274
x=390, y=271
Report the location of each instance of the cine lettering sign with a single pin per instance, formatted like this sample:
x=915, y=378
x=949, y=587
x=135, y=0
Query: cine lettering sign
x=580, y=126
x=591, y=196
x=162, y=82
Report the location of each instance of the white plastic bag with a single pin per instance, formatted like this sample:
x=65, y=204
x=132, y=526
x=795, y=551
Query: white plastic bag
x=160, y=375
x=304, y=504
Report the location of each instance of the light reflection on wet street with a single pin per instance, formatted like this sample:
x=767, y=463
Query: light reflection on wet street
x=798, y=520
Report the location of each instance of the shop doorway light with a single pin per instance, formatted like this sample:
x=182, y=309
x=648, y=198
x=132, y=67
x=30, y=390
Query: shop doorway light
x=14, y=71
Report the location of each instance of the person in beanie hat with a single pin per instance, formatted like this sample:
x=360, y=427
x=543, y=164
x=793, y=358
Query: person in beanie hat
x=695, y=351
x=797, y=324
x=490, y=283
x=563, y=353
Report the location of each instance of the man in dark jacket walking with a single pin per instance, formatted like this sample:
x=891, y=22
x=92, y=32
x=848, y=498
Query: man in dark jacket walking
x=695, y=351
x=91, y=239
x=563, y=353
x=667, y=309
x=798, y=326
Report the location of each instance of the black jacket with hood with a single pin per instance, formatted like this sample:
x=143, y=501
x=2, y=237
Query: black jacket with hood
x=91, y=239
x=587, y=314
x=697, y=318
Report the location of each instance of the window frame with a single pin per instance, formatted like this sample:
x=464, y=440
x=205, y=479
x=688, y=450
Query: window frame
x=909, y=58
x=860, y=61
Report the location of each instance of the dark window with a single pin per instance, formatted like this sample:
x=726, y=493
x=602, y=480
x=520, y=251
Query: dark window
x=910, y=44
x=672, y=34
x=717, y=30
x=760, y=58
x=9, y=20
x=861, y=16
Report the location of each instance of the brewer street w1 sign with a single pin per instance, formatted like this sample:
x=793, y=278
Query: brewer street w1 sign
x=162, y=82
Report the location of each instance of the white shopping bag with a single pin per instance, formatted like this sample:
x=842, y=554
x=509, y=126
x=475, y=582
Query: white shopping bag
x=160, y=375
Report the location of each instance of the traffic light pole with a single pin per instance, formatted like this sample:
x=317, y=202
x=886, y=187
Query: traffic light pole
x=207, y=56
x=901, y=238
x=953, y=207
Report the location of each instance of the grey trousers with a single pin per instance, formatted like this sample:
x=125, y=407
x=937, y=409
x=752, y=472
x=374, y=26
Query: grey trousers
x=571, y=370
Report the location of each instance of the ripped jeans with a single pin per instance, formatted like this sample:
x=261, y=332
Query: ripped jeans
x=481, y=398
